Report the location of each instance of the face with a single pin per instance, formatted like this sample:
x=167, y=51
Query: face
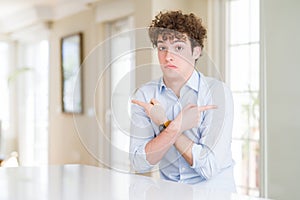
x=176, y=57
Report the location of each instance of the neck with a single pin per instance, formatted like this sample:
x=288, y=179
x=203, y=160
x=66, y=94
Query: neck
x=176, y=84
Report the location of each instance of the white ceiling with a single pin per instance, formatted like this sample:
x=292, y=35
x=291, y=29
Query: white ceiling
x=10, y=6
x=19, y=14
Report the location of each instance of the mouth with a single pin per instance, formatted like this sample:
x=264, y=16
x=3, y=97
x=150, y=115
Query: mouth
x=171, y=66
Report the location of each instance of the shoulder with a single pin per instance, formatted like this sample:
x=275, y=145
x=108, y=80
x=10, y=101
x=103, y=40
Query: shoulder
x=147, y=89
x=151, y=85
x=210, y=84
x=215, y=90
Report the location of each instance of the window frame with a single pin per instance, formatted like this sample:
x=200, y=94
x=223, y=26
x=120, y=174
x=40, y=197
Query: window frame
x=261, y=94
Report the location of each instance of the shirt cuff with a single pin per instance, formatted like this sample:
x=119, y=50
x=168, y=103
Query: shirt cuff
x=196, y=153
x=196, y=150
x=141, y=163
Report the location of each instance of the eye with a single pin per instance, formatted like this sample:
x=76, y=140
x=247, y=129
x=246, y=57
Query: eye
x=162, y=48
x=178, y=48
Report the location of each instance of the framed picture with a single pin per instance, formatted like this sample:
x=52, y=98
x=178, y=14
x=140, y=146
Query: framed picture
x=71, y=59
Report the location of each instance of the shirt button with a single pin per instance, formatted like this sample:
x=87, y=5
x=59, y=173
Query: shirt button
x=183, y=169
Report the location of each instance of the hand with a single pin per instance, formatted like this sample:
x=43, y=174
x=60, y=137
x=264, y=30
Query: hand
x=154, y=110
x=189, y=117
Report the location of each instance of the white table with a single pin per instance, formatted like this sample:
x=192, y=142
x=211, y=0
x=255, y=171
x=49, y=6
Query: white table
x=72, y=182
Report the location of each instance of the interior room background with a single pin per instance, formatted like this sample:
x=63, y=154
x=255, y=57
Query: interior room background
x=252, y=46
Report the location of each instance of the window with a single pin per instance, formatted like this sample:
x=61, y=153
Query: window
x=4, y=100
x=243, y=45
x=32, y=93
x=24, y=101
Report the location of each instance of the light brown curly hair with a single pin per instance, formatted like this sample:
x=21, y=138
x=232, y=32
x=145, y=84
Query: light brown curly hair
x=172, y=24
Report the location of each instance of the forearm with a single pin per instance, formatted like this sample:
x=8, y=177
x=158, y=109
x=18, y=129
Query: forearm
x=206, y=166
x=184, y=145
x=157, y=147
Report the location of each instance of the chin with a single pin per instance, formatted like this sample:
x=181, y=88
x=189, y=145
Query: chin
x=173, y=76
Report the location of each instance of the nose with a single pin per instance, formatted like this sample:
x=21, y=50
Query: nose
x=169, y=56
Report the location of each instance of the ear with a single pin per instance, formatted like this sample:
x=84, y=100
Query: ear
x=197, y=52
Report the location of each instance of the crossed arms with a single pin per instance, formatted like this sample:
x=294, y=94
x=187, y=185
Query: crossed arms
x=207, y=155
x=188, y=118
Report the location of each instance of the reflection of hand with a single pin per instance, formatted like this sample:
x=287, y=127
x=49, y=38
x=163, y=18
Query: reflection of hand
x=154, y=110
x=189, y=117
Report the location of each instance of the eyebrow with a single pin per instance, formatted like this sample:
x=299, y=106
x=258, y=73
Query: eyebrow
x=174, y=41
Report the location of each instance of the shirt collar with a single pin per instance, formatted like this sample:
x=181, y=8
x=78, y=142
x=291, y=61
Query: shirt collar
x=162, y=85
x=193, y=82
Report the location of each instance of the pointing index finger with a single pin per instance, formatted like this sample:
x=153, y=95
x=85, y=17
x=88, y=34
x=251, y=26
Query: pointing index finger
x=140, y=103
x=208, y=107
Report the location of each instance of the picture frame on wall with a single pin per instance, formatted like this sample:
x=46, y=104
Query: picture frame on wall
x=71, y=59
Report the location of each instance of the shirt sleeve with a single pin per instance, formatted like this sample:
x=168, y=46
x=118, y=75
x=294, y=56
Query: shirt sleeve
x=213, y=151
x=141, y=133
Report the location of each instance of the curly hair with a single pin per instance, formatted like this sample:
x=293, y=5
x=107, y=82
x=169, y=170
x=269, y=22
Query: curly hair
x=172, y=24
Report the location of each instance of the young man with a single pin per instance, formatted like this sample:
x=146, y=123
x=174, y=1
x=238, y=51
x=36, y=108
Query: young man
x=183, y=121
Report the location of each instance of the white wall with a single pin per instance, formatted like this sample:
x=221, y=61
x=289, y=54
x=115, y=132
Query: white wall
x=68, y=140
x=282, y=41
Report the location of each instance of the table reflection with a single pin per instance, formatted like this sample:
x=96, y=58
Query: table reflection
x=88, y=182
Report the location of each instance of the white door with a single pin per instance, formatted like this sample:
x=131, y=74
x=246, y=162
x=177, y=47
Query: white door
x=119, y=85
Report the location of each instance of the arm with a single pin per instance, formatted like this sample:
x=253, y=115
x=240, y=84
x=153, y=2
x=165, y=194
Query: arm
x=213, y=152
x=188, y=118
x=157, y=147
x=184, y=146
x=141, y=132
x=145, y=149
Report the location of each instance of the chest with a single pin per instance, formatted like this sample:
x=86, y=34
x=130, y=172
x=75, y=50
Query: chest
x=173, y=106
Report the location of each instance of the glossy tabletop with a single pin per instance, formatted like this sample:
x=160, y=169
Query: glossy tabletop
x=82, y=182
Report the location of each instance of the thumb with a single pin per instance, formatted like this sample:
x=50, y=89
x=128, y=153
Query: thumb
x=154, y=101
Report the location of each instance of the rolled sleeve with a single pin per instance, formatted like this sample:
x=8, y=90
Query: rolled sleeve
x=206, y=166
x=213, y=151
x=141, y=133
x=138, y=158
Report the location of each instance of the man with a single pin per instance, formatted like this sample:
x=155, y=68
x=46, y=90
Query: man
x=183, y=121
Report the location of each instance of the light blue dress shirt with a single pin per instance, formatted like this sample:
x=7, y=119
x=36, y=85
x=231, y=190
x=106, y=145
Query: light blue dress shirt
x=212, y=158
